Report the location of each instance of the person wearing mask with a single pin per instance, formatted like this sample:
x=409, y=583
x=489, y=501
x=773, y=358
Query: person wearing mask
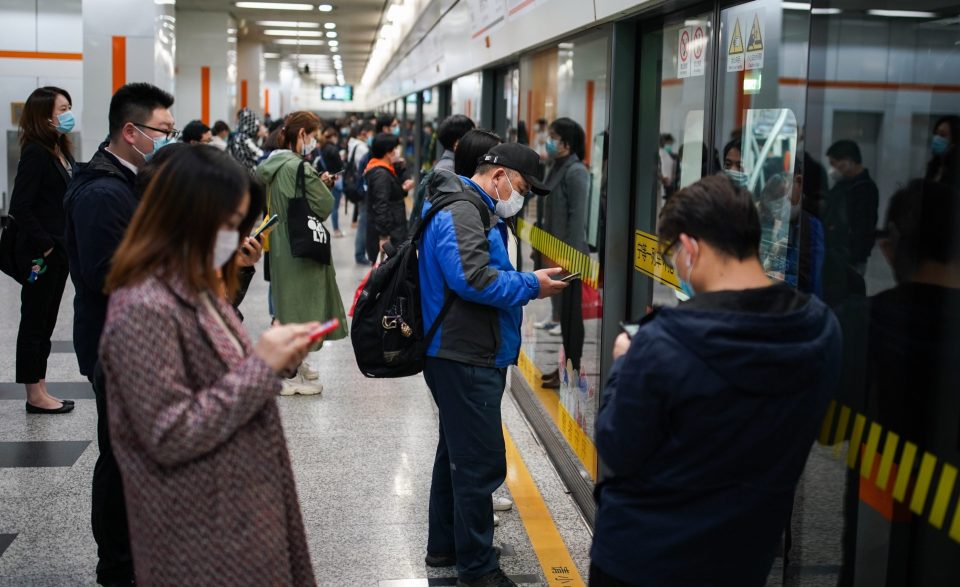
x=852, y=204
x=386, y=191
x=220, y=132
x=99, y=204
x=329, y=160
x=540, y=137
x=302, y=289
x=196, y=133
x=711, y=408
x=241, y=145
x=357, y=149
x=45, y=168
x=386, y=124
x=449, y=133
x=733, y=163
x=565, y=217
x=944, y=166
x=193, y=414
x=467, y=360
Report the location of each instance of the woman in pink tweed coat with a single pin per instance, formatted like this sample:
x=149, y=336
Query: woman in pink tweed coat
x=196, y=431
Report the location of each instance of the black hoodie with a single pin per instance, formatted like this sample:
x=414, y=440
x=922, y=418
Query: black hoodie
x=99, y=205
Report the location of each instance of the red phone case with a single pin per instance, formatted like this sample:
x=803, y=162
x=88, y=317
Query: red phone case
x=325, y=328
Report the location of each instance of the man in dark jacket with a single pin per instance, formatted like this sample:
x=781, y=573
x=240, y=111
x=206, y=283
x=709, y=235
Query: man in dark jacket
x=710, y=411
x=99, y=204
x=852, y=204
x=467, y=359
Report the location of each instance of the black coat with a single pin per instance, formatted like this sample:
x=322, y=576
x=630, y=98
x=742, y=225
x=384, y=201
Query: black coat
x=99, y=206
x=37, y=201
x=386, y=210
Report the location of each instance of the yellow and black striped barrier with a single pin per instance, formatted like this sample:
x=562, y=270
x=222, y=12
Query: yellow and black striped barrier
x=564, y=255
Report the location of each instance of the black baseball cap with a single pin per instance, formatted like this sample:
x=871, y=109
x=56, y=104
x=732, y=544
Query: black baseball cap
x=521, y=159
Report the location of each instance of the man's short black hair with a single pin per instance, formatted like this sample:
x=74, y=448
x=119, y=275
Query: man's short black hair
x=472, y=147
x=383, y=144
x=452, y=130
x=220, y=126
x=135, y=103
x=845, y=149
x=385, y=120
x=715, y=211
x=367, y=127
x=194, y=131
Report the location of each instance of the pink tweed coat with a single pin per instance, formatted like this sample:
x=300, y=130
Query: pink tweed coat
x=196, y=431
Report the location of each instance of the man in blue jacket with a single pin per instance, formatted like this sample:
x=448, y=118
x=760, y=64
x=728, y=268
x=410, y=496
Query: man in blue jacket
x=711, y=409
x=467, y=359
x=99, y=204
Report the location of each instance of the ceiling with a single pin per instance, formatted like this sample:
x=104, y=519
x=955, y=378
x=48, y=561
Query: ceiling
x=356, y=27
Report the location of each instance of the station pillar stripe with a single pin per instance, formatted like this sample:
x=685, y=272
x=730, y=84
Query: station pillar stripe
x=119, y=44
x=41, y=55
x=243, y=93
x=589, y=120
x=205, y=95
x=555, y=560
x=266, y=100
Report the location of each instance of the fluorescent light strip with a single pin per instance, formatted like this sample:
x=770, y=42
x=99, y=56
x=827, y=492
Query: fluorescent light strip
x=334, y=43
x=273, y=5
x=283, y=33
x=331, y=34
x=304, y=42
x=330, y=26
x=289, y=24
x=271, y=55
x=825, y=11
x=325, y=7
x=795, y=6
x=902, y=13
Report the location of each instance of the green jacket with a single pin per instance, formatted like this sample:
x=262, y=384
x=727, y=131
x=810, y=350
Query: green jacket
x=303, y=290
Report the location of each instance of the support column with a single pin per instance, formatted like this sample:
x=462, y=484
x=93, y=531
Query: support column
x=203, y=80
x=124, y=41
x=250, y=73
x=272, y=90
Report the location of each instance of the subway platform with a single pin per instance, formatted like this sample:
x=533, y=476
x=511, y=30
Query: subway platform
x=362, y=455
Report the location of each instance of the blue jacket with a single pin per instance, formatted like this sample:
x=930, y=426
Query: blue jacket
x=705, y=425
x=99, y=204
x=458, y=253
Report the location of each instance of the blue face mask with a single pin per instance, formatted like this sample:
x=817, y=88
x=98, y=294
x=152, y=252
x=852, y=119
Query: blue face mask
x=551, y=147
x=939, y=145
x=158, y=143
x=65, y=122
x=396, y=131
x=369, y=141
x=685, y=286
x=739, y=178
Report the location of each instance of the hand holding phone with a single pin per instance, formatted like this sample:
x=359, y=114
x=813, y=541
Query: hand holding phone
x=265, y=225
x=629, y=328
x=571, y=277
x=324, y=329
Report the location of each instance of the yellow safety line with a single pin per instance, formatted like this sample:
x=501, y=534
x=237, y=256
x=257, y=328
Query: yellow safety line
x=555, y=560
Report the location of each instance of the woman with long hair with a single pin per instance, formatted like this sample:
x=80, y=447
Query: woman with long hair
x=36, y=207
x=302, y=289
x=193, y=420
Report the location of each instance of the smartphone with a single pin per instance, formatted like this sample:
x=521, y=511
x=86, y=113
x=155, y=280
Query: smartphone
x=569, y=278
x=267, y=223
x=630, y=328
x=324, y=329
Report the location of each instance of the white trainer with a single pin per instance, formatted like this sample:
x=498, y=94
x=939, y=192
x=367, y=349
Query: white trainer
x=308, y=372
x=297, y=384
x=544, y=324
x=496, y=520
x=555, y=331
x=502, y=504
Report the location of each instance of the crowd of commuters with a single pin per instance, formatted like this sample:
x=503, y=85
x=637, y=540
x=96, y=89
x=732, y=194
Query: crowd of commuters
x=706, y=420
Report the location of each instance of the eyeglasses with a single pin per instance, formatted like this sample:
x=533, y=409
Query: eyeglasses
x=172, y=134
x=667, y=255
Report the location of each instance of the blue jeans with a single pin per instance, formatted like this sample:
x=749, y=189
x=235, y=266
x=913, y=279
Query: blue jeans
x=337, y=196
x=470, y=463
x=360, y=244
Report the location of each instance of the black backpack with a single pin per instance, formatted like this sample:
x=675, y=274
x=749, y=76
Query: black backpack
x=352, y=186
x=387, y=330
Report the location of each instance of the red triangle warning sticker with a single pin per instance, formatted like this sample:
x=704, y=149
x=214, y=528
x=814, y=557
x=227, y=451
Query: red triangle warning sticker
x=756, y=36
x=736, y=43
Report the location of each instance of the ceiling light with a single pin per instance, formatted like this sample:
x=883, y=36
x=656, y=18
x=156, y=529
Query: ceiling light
x=330, y=26
x=902, y=13
x=325, y=7
x=331, y=34
x=231, y=31
x=828, y=11
x=796, y=5
x=312, y=42
x=283, y=33
x=333, y=49
x=274, y=5
x=231, y=39
x=271, y=55
x=289, y=24
x=334, y=43
x=393, y=12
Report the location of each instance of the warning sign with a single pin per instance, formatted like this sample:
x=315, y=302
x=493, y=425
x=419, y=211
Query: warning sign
x=683, y=54
x=754, y=57
x=699, y=48
x=735, y=51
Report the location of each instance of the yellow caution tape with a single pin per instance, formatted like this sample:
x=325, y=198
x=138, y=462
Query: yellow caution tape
x=567, y=257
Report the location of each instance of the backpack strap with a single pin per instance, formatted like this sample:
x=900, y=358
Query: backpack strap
x=438, y=205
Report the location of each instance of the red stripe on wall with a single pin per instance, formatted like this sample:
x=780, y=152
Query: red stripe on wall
x=119, y=62
x=205, y=95
x=243, y=93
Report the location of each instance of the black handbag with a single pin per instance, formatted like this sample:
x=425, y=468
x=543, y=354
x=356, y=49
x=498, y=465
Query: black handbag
x=309, y=238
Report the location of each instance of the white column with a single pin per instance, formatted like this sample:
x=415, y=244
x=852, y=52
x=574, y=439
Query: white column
x=271, y=89
x=250, y=73
x=124, y=41
x=203, y=64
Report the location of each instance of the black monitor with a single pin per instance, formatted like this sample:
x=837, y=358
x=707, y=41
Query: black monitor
x=336, y=93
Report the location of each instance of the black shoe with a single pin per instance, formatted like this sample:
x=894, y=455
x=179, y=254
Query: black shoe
x=63, y=409
x=555, y=374
x=495, y=579
x=449, y=560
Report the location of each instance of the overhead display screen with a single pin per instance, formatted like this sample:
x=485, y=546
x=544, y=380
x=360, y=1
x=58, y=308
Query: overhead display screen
x=336, y=93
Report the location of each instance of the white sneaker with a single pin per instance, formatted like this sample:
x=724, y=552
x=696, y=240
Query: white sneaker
x=297, y=384
x=544, y=324
x=308, y=372
x=496, y=520
x=555, y=331
x=502, y=504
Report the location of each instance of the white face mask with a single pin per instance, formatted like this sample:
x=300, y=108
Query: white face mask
x=309, y=146
x=228, y=241
x=509, y=208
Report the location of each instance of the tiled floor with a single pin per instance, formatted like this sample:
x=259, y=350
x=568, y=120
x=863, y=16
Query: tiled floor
x=362, y=455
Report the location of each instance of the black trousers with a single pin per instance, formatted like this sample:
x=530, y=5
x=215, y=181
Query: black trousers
x=39, y=307
x=600, y=579
x=571, y=322
x=108, y=516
